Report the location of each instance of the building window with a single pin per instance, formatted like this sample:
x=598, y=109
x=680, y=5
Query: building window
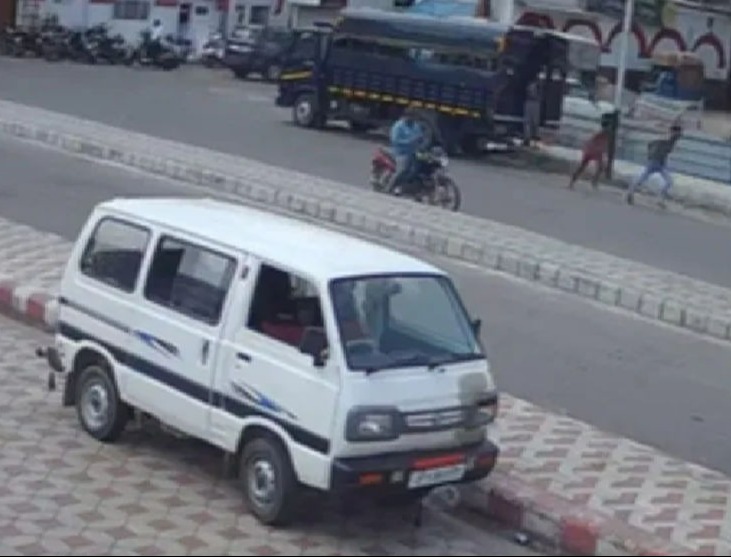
x=259, y=15
x=131, y=10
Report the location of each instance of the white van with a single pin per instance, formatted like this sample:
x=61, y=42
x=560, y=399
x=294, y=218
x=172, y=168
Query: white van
x=313, y=358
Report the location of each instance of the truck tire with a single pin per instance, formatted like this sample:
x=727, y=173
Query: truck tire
x=306, y=113
x=269, y=482
x=100, y=411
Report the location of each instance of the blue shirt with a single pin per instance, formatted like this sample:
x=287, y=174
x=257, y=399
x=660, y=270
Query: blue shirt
x=405, y=137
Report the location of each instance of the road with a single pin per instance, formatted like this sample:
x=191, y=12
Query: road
x=642, y=380
x=211, y=109
x=151, y=494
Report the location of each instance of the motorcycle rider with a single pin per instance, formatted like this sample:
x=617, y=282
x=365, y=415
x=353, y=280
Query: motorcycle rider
x=406, y=138
x=155, y=46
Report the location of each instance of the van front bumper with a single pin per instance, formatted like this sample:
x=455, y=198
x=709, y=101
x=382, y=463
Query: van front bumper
x=414, y=470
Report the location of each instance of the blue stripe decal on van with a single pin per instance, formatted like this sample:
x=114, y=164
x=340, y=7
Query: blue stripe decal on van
x=260, y=399
x=197, y=391
x=157, y=344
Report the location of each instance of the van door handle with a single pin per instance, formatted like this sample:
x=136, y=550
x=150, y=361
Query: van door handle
x=243, y=357
x=205, y=349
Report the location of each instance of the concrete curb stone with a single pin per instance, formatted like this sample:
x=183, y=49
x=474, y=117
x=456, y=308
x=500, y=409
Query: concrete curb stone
x=699, y=307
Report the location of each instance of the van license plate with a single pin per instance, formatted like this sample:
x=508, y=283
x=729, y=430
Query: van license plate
x=424, y=478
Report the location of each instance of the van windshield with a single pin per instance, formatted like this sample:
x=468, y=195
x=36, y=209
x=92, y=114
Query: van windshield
x=398, y=321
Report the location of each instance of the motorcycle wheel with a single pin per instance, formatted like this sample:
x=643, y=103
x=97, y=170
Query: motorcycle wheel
x=379, y=180
x=447, y=194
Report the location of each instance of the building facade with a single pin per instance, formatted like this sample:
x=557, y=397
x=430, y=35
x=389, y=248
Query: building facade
x=702, y=28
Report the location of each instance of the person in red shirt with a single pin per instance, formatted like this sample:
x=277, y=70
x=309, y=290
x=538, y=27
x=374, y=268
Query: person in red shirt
x=594, y=150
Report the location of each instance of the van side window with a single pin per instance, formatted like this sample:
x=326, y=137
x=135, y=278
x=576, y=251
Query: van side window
x=190, y=279
x=113, y=254
x=284, y=306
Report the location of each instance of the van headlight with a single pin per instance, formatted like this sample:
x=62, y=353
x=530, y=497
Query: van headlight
x=372, y=424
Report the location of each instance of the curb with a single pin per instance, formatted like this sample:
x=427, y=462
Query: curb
x=559, y=522
x=460, y=237
x=32, y=305
x=553, y=520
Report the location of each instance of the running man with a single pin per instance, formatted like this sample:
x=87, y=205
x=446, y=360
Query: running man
x=658, y=152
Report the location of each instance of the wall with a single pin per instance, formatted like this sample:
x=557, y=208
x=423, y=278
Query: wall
x=709, y=35
x=7, y=13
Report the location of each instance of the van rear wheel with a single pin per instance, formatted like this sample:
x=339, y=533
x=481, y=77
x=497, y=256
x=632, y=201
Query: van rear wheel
x=269, y=482
x=100, y=411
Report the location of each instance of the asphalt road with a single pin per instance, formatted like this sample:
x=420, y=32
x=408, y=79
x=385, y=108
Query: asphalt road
x=210, y=108
x=657, y=385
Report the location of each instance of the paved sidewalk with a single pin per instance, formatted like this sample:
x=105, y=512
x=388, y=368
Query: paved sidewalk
x=588, y=492
x=656, y=294
x=62, y=493
x=689, y=191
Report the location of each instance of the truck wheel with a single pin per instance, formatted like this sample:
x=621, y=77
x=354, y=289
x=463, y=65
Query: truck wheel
x=101, y=412
x=269, y=482
x=305, y=112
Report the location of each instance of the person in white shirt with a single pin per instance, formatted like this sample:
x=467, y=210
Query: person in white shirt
x=155, y=46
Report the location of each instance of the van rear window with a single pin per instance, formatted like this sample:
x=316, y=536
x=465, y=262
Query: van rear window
x=113, y=255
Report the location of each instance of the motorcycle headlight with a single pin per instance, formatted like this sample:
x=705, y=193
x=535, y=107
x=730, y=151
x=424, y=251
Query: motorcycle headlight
x=372, y=424
x=444, y=161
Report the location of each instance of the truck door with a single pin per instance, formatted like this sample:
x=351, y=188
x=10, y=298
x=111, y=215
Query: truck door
x=302, y=56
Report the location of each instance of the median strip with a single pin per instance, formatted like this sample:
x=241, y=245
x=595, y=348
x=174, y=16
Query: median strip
x=652, y=293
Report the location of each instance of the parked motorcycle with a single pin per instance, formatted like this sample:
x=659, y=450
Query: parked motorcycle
x=167, y=57
x=78, y=45
x=213, y=51
x=107, y=47
x=20, y=42
x=429, y=183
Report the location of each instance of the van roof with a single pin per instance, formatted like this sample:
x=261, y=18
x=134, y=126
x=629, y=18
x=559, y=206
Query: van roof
x=322, y=253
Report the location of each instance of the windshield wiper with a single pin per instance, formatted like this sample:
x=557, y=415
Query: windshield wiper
x=452, y=358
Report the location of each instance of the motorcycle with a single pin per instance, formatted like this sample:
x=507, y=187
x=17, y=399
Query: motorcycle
x=167, y=57
x=429, y=183
x=213, y=51
x=19, y=42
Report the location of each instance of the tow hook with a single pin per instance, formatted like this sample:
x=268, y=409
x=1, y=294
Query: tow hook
x=50, y=354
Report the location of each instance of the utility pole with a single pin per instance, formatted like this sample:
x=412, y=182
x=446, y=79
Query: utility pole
x=629, y=8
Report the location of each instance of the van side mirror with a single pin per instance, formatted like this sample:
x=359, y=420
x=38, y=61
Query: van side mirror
x=314, y=343
x=477, y=326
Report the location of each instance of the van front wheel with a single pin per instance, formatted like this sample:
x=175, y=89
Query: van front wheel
x=269, y=482
x=101, y=412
